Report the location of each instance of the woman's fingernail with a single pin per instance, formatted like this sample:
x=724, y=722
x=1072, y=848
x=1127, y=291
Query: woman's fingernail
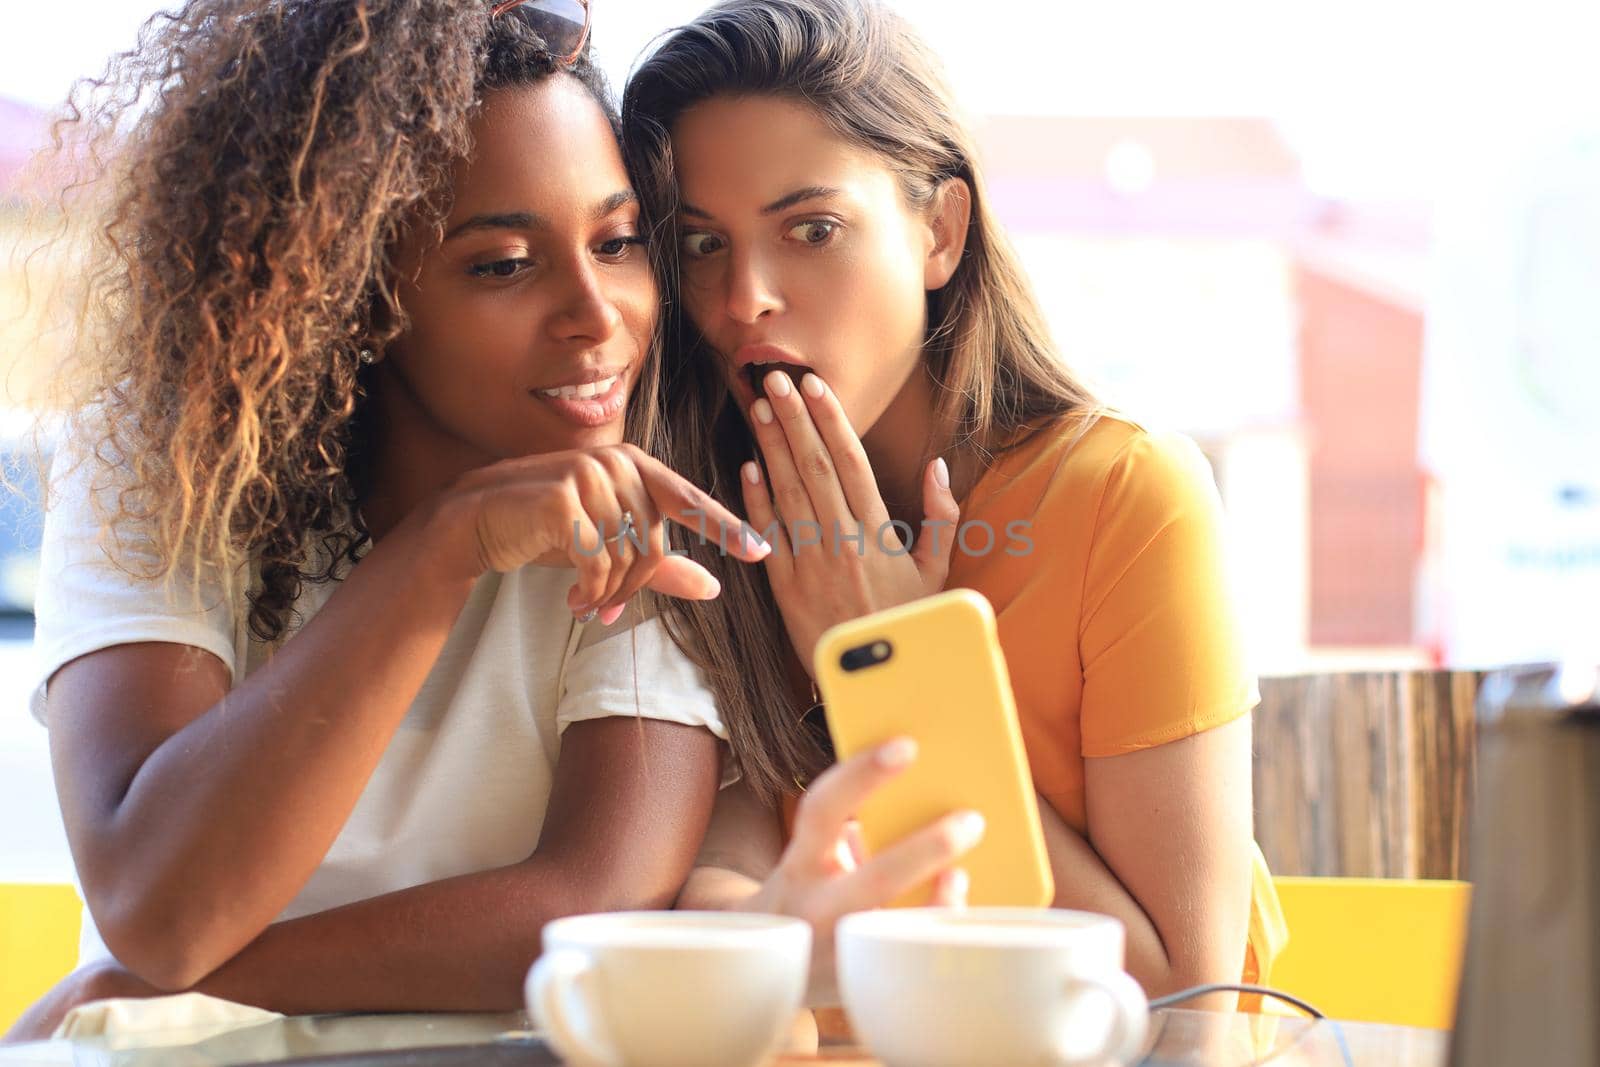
x=762, y=410
x=587, y=615
x=754, y=544
x=968, y=830
x=711, y=590
x=941, y=473
x=779, y=384
x=612, y=614
x=901, y=752
x=957, y=883
x=812, y=385
x=752, y=473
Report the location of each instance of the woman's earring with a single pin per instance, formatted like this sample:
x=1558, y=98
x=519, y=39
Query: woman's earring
x=367, y=356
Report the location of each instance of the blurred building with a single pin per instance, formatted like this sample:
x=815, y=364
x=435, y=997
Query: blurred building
x=1511, y=403
x=1360, y=275
x=21, y=126
x=26, y=342
x=1189, y=271
x=27, y=353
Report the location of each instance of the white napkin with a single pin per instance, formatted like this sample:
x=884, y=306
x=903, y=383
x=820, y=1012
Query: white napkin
x=132, y=1022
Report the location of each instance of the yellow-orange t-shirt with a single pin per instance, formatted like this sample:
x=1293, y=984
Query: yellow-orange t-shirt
x=1108, y=582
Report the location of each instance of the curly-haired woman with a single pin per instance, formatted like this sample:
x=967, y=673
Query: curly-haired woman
x=333, y=721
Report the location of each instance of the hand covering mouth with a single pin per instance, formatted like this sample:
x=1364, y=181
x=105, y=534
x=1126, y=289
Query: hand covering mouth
x=757, y=373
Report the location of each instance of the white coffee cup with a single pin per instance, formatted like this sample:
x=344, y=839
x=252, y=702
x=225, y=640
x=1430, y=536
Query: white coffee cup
x=944, y=987
x=670, y=988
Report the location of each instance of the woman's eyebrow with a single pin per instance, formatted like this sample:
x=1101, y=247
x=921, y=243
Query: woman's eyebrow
x=619, y=199
x=783, y=203
x=506, y=220
x=528, y=220
x=799, y=196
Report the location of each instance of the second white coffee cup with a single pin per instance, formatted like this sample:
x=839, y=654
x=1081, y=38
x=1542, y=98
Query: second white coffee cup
x=669, y=989
x=936, y=987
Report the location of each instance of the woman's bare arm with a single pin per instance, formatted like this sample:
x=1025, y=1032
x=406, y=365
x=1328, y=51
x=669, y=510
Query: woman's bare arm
x=741, y=848
x=630, y=804
x=463, y=944
x=1168, y=853
x=195, y=814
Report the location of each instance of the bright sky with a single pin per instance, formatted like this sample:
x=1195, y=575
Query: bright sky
x=1374, y=93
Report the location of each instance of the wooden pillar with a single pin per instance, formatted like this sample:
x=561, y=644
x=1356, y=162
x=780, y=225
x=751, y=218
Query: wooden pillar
x=1366, y=775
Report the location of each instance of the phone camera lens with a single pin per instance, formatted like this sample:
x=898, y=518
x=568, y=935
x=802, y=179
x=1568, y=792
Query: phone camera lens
x=863, y=656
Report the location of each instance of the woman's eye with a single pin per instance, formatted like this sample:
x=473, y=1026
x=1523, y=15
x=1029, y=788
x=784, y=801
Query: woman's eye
x=618, y=247
x=701, y=244
x=499, y=268
x=815, y=232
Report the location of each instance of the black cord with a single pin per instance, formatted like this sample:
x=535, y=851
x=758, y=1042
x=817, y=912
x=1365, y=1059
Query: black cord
x=1222, y=987
x=1262, y=991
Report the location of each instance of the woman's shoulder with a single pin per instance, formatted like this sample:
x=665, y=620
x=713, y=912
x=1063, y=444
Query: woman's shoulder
x=1074, y=460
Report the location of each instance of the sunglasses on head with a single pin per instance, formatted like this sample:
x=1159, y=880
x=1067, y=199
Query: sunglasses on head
x=563, y=24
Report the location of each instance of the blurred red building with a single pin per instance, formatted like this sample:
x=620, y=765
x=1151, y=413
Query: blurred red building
x=1291, y=346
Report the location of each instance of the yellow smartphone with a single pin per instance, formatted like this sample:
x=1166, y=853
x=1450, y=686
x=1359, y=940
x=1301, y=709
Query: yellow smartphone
x=933, y=670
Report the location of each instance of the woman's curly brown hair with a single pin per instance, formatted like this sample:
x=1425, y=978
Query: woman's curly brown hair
x=259, y=159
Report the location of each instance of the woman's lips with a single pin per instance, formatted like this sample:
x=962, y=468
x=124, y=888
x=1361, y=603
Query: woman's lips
x=592, y=410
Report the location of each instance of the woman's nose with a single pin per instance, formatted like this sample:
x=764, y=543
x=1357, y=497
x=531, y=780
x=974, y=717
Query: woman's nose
x=752, y=293
x=589, y=308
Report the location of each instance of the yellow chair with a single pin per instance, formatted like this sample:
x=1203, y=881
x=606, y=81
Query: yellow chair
x=1374, y=949
x=38, y=943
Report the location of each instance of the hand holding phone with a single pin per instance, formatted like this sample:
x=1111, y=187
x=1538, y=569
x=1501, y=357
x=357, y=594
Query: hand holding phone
x=933, y=670
x=822, y=875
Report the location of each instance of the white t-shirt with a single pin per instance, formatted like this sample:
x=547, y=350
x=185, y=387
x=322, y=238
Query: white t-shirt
x=465, y=779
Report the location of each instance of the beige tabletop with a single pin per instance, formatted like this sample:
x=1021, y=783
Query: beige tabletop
x=1201, y=1039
